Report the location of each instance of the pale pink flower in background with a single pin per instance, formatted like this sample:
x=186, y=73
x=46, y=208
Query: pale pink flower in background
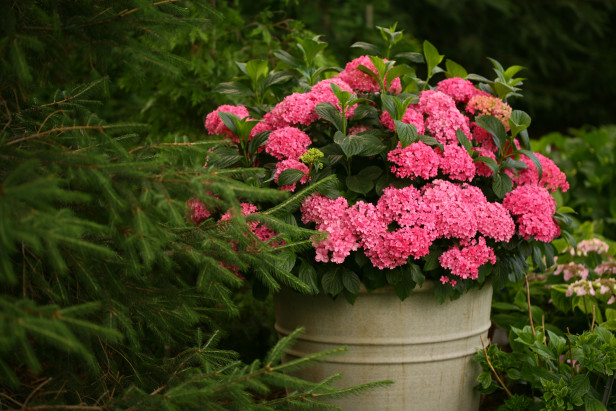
x=572, y=270
x=592, y=245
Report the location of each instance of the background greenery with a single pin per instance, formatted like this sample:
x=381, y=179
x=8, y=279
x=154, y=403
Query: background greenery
x=97, y=97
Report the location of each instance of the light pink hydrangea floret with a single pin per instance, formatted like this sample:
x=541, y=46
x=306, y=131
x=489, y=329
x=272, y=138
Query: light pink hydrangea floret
x=485, y=104
x=572, y=270
x=592, y=245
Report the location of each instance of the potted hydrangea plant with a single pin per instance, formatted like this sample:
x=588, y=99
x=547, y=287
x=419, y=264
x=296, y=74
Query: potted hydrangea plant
x=416, y=185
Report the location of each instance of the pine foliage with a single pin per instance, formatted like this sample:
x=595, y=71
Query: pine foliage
x=104, y=279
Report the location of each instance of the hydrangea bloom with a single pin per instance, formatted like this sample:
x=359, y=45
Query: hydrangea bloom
x=534, y=208
x=414, y=160
x=198, y=211
x=287, y=142
x=572, y=270
x=361, y=81
x=461, y=90
x=215, y=126
x=331, y=216
x=593, y=245
x=294, y=109
x=552, y=178
x=464, y=262
x=444, y=118
x=454, y=216
x=457, y=163
x=490, y=105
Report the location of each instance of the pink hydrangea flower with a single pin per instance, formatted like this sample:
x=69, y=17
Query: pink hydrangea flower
x=287, y=142
x=411, y=116
x=454, y=215
x=358, y=129
x=215, y=126
x=533, y=208
x=332, y=217
x=457, y=163
x=483, y=137
x=464, y=262
x=414, y=160
x=198, y=210
x=361, y=81
x=592, y=245
x=606, y=267
x=322, y=93
x=288, y=164
x=489, y=105
x=461, y=90
x=294, y=109
x=552, y=178
x=444, y=118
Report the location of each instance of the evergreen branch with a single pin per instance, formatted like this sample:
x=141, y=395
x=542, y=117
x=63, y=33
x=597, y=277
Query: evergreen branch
x=82, y=91
x=295, y=200
x=191, y=144
x=64, y=129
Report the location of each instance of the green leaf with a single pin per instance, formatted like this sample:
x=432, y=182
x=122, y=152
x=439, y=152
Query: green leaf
x=514, y=164
x=223, y=157
x=416, y=274
x=276, y=77
x=430, y=141
x=455, y=70
x=518, y=121
x=287, y=58
x=412, y=56
x=362, y=111
x=433, y=58
x=593, y=404
x=490, y=162
x=535, y=161
x=257, y=70
x=351, y=281
x=371, y=172
x=328, y=112
x=485, y=379
x=407, y=133
x=370, y=48
x=493, y=126
x=233, y=89
x=258, y=141
x=580, y=385
x=502, y=185
x=359, y=184
x=231, y=121
x=398, y=71
x=308, y=274
x=390, y=104
x=290, y=176
x=331, y=282
x=359, y=144
x=464, y=141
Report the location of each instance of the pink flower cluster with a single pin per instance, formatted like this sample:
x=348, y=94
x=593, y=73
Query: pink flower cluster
x=552, y=178
x=215, y=126
x=459, y=89
x=360, y=81
x=534, y=208
x=489, y=105
x=287, y=142
x=443, y=117
x=406, y=221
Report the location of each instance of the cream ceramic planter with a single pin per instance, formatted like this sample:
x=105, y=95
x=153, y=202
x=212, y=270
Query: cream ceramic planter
x=422, y=345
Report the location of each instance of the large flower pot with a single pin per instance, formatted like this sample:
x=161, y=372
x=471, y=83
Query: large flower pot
x=421, y=344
